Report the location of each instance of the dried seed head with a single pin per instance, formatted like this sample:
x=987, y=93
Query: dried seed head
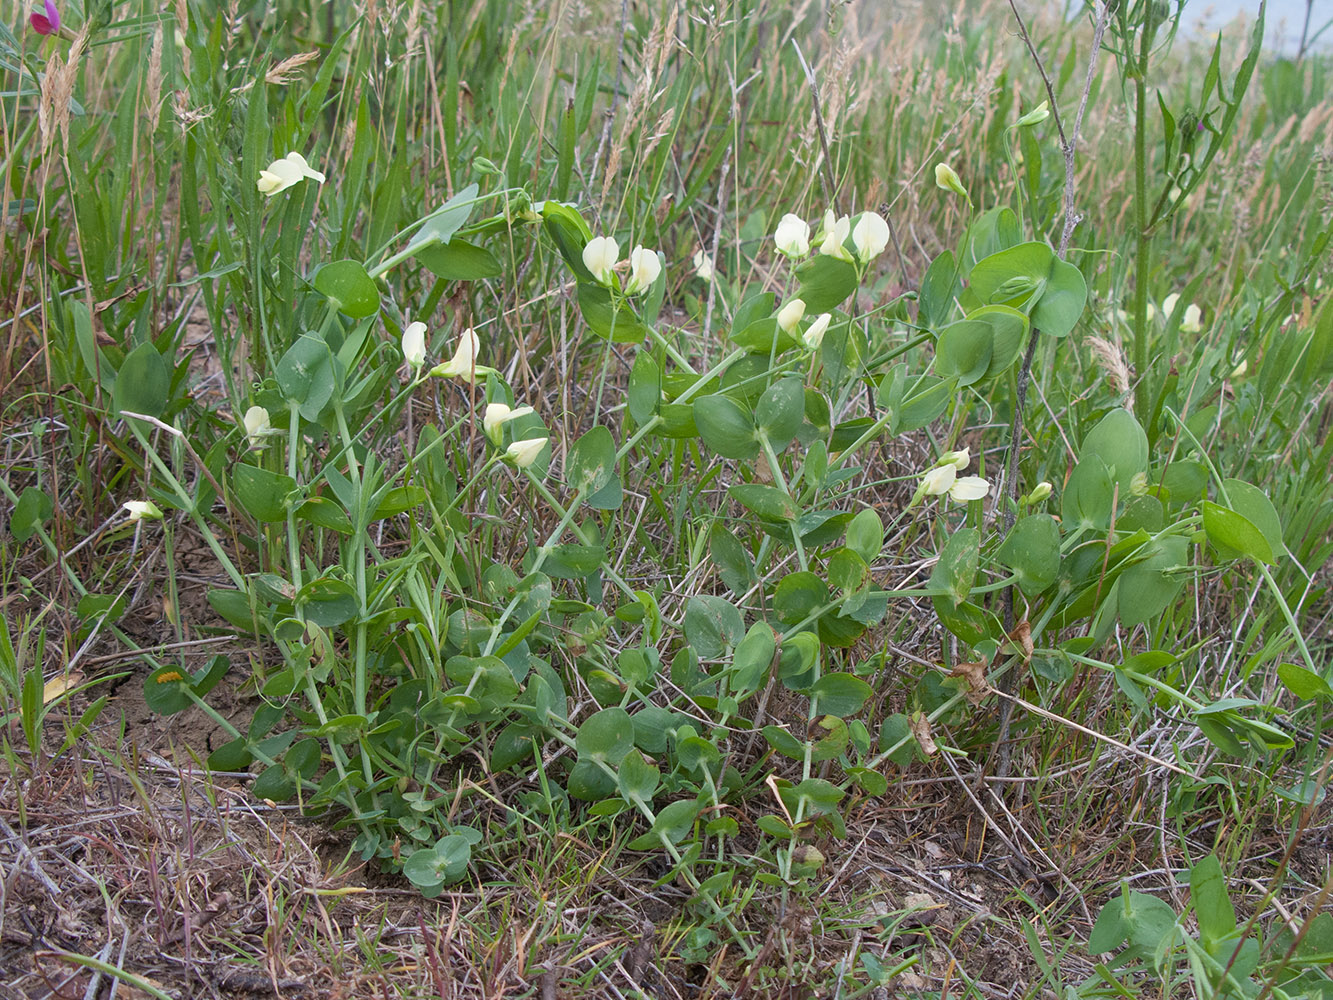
x=285, y=71
x=153, y=94
x=1111, y=360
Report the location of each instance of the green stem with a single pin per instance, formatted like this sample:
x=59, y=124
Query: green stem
x=1143, y=249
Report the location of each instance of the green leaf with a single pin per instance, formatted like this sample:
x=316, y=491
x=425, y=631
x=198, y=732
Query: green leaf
x=1253, y=504
x=733, y=562
x=1032, y=551
x=1212, y=905
x=143, y=383
x=994, y=230
x=233, y=606
x=573, y=561
x=349, y=288
x=847, y=571
x=1030, y=275
x=1226, y=528
x=967, y=621
x=780, y=411
x=328, y=601
x=645, y=388
x=798, y=596
x=570, y=233
x=784, y=742
x=616, y=323
x=872, y=782
x=459, y=260
x=752, y=660
x=726, y=427
x=263, y=494
x=711, y=625
x=1086, y=501
x=766, y=501
x=896, y=732
x=1120, y=442
x=865, y=534
x=964, y=351
x=840, y=694
x=34, y=508
x=914, y=400
x=440, y=225
x=763, y=337
x=607, y=736
x=591, y=463
x=826, y=282
x=1304, y=684
x=325, y=512
x=398, y=500
x=305, y=375
x=587, y=782
x=939, y=288
x=638, y=780
x=1062, y=304
x=673, y=824
x=1147, y=923
x=957, y=566
x=1147, y=588
x=165, y=688
x=815, y=796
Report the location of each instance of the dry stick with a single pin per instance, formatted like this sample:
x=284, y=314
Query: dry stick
x=1020, y=860
x=1321, y=899
x=1069, y=145
x=826, y=178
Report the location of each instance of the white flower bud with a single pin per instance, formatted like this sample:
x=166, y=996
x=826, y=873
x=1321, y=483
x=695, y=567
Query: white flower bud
x=789, y=316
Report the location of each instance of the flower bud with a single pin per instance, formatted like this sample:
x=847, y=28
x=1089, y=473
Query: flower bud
x=789, y=316
x=946, y=179
x=414, y=344
x=257, y=425
x=834, y=238
x=464, y=362
x=958, y=459
x=142, y=510
x=1036, y=116
x=524, y=453
x=644, y=267
x=814, y=334
x=703, y=267
x=1039, y=492
x=499, y=414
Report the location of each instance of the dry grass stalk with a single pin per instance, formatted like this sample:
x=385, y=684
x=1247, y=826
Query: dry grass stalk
x=285, y=71
x=153, y=97
x=186, y=117
x=661, y=40
x=1111, y=360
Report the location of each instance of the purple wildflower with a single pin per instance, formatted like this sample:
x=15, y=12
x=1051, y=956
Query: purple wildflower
x=49, y=23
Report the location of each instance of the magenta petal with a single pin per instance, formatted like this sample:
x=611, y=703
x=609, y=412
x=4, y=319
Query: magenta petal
x=49, y=24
